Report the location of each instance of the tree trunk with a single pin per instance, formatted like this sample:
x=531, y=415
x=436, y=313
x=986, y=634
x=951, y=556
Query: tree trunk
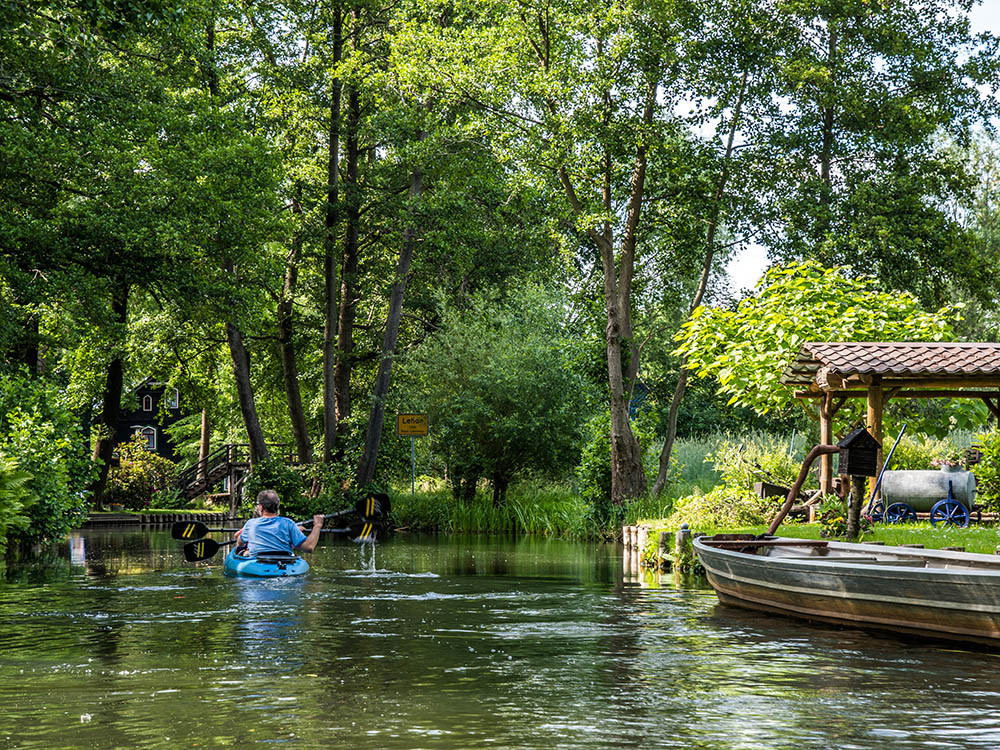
x=858, y=485
x=241, y=372
x=706, y=270
x=376, y=419
x=204, y=445
x=286, y=347
x=349, y=267
x=104, y=446
x=500, y=483
x=628, y=479
x=332, y=219
x=826, y=154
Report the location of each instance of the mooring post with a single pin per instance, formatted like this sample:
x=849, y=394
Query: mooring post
x=680, y=545
x=662, y=549
x=641, y=537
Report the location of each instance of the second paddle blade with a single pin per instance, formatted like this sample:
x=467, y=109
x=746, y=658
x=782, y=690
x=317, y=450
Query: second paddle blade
x=374, y=505
x=200, y=550
x=188, y=530
x=364, y=533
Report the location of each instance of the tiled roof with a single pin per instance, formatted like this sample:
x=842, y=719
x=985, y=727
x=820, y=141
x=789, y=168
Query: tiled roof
x=928, y=360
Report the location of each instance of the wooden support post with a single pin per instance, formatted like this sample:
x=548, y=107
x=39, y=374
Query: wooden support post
x=874, y=419
x=826, y=438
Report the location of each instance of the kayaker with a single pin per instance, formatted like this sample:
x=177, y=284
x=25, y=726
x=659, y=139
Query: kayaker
x=269, y=532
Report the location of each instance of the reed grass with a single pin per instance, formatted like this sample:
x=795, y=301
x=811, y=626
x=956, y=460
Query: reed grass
x=530, y=508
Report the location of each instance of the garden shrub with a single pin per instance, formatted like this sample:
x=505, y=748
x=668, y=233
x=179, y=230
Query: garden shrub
x=987, y=471
x=722, y=507
x=917, y=452
x=142, y=479
x=733, y=504
x=761, y=457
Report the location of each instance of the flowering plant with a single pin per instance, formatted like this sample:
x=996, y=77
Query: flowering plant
x=952, y=458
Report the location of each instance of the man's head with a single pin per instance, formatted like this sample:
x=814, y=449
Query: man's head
x=268, y=501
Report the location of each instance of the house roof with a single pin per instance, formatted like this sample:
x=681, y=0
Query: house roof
x=929, y=362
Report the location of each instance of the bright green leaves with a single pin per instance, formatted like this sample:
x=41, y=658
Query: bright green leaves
x=747, y=349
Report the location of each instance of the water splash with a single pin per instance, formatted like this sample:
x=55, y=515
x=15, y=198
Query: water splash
x=367, y=553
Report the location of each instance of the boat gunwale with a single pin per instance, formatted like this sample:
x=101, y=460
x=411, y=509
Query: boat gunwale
x=858, y=568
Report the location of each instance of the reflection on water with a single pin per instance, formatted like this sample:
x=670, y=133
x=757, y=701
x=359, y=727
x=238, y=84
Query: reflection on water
x=112, y=641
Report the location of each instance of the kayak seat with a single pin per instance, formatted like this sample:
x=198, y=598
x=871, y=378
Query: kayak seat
x=276, y=557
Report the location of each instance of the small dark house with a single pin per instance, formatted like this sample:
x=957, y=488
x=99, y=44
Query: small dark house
x=859, y=454
x=156, y=407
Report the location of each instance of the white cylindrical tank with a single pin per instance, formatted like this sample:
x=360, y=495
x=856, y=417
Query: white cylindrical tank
x=921, y=489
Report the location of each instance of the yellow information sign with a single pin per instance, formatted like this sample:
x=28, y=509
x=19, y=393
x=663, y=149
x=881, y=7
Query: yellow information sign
x=411, y=425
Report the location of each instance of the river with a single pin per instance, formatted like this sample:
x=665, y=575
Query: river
x=113, y=641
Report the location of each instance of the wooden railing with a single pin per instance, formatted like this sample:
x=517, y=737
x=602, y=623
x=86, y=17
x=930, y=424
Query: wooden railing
x=221, y=463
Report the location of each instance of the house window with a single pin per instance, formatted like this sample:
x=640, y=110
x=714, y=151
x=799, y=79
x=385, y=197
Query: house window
x=147, y=403
x=173, y=399
x=149, y=436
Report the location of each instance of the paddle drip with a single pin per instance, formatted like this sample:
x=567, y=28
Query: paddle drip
x=367, y=553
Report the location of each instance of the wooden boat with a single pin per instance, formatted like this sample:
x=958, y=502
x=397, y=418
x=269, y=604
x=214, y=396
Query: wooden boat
x=264, y=565
x=940, y=594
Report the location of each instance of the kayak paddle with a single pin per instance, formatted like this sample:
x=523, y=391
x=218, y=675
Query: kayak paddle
x=203, y=549
x=189, y=530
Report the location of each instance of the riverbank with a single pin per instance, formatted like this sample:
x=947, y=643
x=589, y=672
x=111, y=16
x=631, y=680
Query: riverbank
x=656, y=545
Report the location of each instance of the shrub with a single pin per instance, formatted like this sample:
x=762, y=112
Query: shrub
x=761, y=457
x=733, y=503
x=142, y=478
x=916, y=452
x=43, y=435
x=988, y=471
x=15, y=499
x=593, y=473
x=722, y=507
x=274, y=474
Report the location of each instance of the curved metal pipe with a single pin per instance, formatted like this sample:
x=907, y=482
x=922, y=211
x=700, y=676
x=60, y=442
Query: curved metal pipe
x=793, y=493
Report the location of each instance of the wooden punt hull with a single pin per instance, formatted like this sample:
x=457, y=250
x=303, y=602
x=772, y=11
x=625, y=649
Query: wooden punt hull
x=926, y=593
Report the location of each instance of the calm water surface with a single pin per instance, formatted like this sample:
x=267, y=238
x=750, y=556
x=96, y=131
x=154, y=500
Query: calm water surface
x=114, y=641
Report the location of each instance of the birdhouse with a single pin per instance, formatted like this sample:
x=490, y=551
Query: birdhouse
x=859, y=454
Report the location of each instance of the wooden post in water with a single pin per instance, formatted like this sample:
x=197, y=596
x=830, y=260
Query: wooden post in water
x=641, y=538
x=681, y=539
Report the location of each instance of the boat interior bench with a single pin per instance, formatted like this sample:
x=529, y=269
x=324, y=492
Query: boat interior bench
x=917, y=563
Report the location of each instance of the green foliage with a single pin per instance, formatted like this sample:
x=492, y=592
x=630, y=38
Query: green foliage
x=832, y=518
x=142, y=479
x=15, y=499
x=499, y=385
x=740, y=463
x=722, y=507
x=294, y=486
x=759, y=457
x=747, y=349
x=593, y=472
x=987, y=471
x=919, y=452
x=531, y=508
x=46, y=440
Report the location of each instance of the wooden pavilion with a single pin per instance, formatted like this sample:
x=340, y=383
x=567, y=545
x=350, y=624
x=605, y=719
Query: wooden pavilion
x=832, y=372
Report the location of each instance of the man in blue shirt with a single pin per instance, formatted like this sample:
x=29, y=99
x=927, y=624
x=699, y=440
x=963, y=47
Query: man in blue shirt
x=270, y=532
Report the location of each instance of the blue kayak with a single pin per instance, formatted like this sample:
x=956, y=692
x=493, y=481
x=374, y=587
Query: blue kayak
x=264, y=565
